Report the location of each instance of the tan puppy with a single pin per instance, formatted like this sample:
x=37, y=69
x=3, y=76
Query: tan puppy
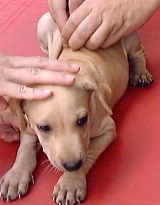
x=74, y=126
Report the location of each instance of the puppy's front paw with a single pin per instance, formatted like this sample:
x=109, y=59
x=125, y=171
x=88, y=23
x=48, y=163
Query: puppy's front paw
x=70, y=189
x=141, y=78
x=14, y=184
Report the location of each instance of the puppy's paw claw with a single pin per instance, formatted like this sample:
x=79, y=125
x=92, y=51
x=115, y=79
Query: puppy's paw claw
x=142, y=80
x=2, y=197
x=70, y=189
x=14, y=184
x=8, y=199
x=32, y=180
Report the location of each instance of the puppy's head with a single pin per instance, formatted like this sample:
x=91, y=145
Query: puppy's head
x=62, y=124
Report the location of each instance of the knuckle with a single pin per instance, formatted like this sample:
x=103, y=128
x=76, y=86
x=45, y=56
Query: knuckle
x=92, y=44
x=27, y=92
x=83, y=35
x=41, y=59
x=35, y=71
x=64, y=66
x=74, y=21
x=22, y=89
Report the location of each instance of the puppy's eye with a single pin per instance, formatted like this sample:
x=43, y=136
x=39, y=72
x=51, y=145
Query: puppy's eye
x=44, y=128
x=82, y=121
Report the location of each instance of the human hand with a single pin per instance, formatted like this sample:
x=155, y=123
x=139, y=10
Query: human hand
x=101, y=23
x=16, y=73
x=62, y=9
x=9, y=132
x=9, y=126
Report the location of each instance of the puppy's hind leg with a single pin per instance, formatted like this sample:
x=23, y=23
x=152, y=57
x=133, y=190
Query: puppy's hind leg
x=139, y=75
x=15, y=182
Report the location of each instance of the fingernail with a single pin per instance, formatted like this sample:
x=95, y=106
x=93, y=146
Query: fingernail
x=69, y=76
x=46, y=91
x=75, y=66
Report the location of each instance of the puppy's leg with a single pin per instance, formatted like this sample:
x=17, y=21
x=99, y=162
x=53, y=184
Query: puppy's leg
x=139, y=75
x=15, y=182
x=49, y=36
x=71, y=187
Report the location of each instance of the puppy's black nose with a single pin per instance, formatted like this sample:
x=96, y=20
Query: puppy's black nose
x=72, y=166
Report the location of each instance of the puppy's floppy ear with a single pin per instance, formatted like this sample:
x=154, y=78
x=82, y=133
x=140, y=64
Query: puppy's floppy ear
x=102, y=90
x=103, y=94
x=15, y=106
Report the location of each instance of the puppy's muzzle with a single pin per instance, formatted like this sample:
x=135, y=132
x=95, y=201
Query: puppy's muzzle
x=72, y=166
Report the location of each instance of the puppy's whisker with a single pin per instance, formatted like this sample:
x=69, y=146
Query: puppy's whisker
x=55, y=170
x=48, y=168
x=52, y=169
x=45, y=161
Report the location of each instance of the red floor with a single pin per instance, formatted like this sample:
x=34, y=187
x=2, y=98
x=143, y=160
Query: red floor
x=128, y=173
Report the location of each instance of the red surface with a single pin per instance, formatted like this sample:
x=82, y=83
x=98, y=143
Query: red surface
x=128, y=173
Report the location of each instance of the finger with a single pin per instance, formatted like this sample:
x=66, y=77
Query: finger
x=74, y=20
x=22, y=62
x=9, y=120
x=84, y=31
x=29, y=130
x=3, y=104
x=98, y=37
x=41, y=62
x=60, y=66
x=107, y=34
x=16, y=136
x=110, y=41
x=8, y=133
x=58, y=12
x=23, y=92
x=74, y=4
x=36, y=75
x=10, y=136
x=7, y=137
x=115, y=35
